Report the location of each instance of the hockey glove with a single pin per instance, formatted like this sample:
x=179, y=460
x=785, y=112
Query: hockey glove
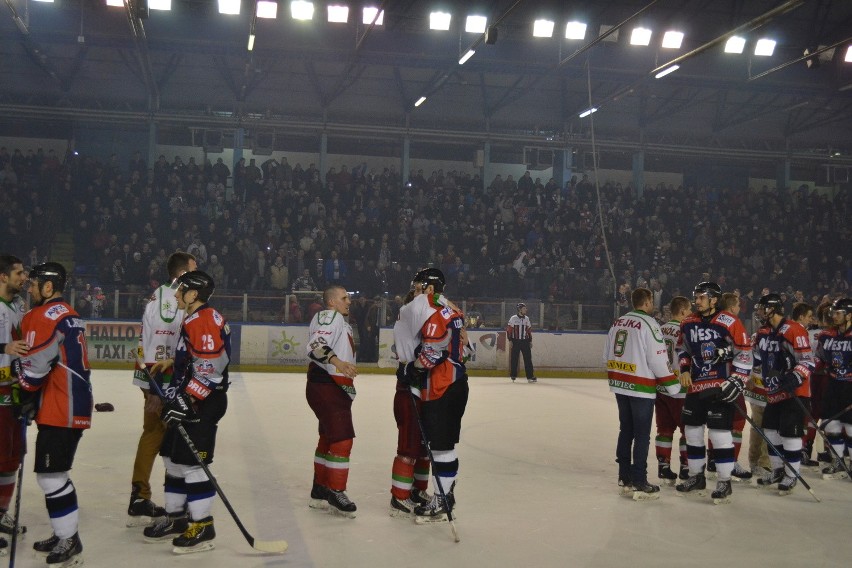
x=416, y=376
x=790, y=381
x=731, y=389
x=179, y=409
x=723, y=355
x=24, y=404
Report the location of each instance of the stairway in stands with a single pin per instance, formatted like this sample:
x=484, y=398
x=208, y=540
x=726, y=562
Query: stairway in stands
x=62, y=250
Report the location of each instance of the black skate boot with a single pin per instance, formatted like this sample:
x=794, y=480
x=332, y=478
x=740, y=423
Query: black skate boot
x=341, y=504
x=665, y=473
x=683, y=474
x=835, y=471
x=67, y=552
x=740, y=473
x=695, y=483
x=141, y=512
x=198, y=537
x=420, y=497
x=787, y=484
x=435, y=511
x=167, y=527
x=532, y=380
x=771, y=477
x=645, y=491
x=722, y=493
x=625, y=485
x=7, y=525
x=824, y=457
x=806, y=456
x=401, y=508
x=46, y=545
x=319, y=497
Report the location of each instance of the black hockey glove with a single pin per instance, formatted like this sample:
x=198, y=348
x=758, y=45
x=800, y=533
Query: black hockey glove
x=731, y=389
x=179, y=409
x=723, y=355
x=790, y=381
x=416, y=376
x=24, y=404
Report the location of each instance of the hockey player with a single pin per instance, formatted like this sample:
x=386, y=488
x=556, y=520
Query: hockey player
x=834, y=355
x=714, y=365
x=783, y=352
x=440, y=379
x=161, y=323
x=197, y=398
x=803, y=314
x=668, y=408
x=12, y=280
x=519, y=334
x=55, y=384
x=637, y=364
x=330, y=391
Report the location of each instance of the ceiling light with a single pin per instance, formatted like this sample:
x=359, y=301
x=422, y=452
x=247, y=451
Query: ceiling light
x=420, y=101
x=439, y=21
x=159, y=4
x=575, y=30
x=251, y=42
x=672, y=40
x=640, y=36
x=301, y=10
x=466, y=56
x=229, y=6
x=476, y=24
x=338, y=14
x=116, y=3
x=369, y=14
x=267, y=9
x=848, y=58
x=587, y=112
x=764, y=47
x=666, y=71
x=543, y=28
x=51, y=1
x=735, y=44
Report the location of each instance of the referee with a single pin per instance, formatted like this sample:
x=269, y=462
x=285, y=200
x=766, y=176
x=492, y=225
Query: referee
x=519, y=332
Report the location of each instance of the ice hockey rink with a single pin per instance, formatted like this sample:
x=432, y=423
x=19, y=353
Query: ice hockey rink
x=537, y=487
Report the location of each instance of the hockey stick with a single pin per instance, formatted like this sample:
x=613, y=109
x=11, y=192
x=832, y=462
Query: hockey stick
x=810, y=418
x=769, y=444
x=272, y=546
x=432, y=459
x=13, y=546
x=834, y=417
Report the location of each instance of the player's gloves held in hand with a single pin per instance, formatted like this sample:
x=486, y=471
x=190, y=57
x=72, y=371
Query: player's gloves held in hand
x=416, y=376
x=179, y=409
x=723, y=355
x=731, y=389
x=24, y=404
x=790, y=381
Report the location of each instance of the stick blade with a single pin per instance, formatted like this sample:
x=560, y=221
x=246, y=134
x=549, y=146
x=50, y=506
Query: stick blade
x=271, y=546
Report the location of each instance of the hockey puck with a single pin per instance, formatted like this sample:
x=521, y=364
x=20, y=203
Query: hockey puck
x=104, y=407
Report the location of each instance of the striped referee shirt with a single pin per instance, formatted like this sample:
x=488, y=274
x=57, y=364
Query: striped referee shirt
x=519, y=327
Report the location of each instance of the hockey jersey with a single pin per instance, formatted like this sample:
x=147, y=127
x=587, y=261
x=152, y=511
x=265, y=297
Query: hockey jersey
x=328, y=327
x=203, y=353
x=57, y=364
x=443, y=332
x=756, y=392
x=673, y=339
x=406, y=329
x=781, y=349
x=11, y=314
x=636, y=357
x=702, y=337
x=161, y=323
x=834, y=354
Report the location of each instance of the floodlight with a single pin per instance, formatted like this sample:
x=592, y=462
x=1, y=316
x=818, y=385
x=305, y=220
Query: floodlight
x=587, y=112
x=640, y=36
x=666, y=71
x=735, y=44
x=302, y=10
x=543, y=28
x=158, y=4
x=267, y=9
x=369, y=14
x=466, y=56
x=51, y=1
x=420, y=101
x=439, y=21
x=575, y=30
x=764, y=47
x=116, y=3
x=229, y=6
x=251, y=42
x=338, y=14
x=476, y=24
x=672, y=39
x=848, y=58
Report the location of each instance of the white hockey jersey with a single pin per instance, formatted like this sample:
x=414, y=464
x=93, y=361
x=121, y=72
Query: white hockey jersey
x=406, y=330
x=636, y=358
x=11, y=314
x=161, y=323
x=330, y=328
x=673, y=340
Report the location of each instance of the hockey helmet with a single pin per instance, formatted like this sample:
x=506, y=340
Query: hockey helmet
x=49, y=272
x=521, y=305
x=712, y=289
x=767, y=305
x=197, y=280
x=841, y=305
x=431, y=276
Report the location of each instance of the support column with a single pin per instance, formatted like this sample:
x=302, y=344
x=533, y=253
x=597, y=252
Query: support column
x=323, y=156
x=406, y=158
x=152, y=144
x=639, y=173
x=782, y=176
x=239, y=140
x=487, y=171
x=563, y=166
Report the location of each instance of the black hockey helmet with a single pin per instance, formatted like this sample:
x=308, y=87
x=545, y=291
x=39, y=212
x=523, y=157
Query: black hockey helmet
x=712, y=289
x=50, y=272
x=767, y=305
x=197, y=280
x=431, y=276
x=841, y=305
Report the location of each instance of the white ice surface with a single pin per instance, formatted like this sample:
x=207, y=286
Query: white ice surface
x=536, y=488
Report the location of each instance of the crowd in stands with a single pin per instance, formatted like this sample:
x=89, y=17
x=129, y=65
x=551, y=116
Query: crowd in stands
x=283, y=228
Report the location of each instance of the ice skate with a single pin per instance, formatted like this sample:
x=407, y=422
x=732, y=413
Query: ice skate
x=340, y=503
x=66, y=553
x=435, y=511
x=166, y=527
x=319, y=497
x=722, y=495
x=740, y=473
x=806, y=456
x=7, y=525
x=645, y=491
x=198, y=537
x=694, y=484
x=142, y=512
x=532, y=380
x=824, y=457
x=787, y=484
x=513, y=379
x=625, y=486
x=46, y=545
x=666, y=475
x=420, y=497
x=835, y=471
x=401, y=508
x=683, y=474
x=771, y=477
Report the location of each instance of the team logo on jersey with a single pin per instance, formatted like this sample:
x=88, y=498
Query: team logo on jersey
x=217, y=317
x=56, y=311
x=837, y=360
x=725, y=319
x=708, y=351
x=446, y=313
x=325, y=317
x=204, y=368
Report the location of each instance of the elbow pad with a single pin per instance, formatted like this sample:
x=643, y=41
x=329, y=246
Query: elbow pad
x=322, y=354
